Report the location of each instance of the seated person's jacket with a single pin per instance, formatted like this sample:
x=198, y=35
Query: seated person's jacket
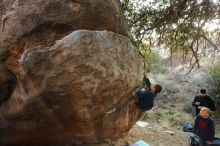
x=204, y=101
x=146, y=98
x=204, y=128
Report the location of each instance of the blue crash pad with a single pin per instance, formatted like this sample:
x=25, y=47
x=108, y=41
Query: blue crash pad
x=140, y=143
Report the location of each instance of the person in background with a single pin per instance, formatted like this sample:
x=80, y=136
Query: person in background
x=204, y=127
x=146, y=96
x=203, y=100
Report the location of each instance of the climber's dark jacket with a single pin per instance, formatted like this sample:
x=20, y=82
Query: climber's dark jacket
x=146, y=97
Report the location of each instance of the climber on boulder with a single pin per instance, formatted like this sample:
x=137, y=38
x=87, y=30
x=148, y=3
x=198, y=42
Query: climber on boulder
x=146, y=95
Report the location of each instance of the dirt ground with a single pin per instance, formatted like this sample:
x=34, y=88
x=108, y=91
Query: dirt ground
x=155, y=133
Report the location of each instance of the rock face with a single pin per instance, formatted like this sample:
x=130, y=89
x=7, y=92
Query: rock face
x=8, y=83
x=70, y=72
x=42, y=22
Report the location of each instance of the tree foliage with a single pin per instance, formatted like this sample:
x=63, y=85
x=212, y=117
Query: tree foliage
x=213, y=79
x=153, y=61
x=180, y=25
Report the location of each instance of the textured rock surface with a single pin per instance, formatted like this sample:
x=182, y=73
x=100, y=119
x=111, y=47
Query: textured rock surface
x=7, y=84
x=21, y=19
x=68, y=85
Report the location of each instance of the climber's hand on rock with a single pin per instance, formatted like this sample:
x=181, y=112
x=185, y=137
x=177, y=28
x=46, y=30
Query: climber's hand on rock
x=145, y=74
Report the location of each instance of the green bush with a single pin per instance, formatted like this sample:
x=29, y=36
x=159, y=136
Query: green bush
x=213, y=79
x=170, y=113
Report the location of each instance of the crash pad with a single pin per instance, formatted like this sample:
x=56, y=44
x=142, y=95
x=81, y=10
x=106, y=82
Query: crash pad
x=140, y=143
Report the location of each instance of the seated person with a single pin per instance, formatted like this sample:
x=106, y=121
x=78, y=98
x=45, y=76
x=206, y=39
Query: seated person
x=203, y=100
x=204, y=127
x=146, y=96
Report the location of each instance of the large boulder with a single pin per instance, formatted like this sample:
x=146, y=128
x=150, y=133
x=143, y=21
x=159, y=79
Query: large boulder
x=71, y=72
x=42, y=22
x=80, y=90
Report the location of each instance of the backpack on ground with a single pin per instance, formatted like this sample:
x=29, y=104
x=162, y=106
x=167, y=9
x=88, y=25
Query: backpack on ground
x=187, y=127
